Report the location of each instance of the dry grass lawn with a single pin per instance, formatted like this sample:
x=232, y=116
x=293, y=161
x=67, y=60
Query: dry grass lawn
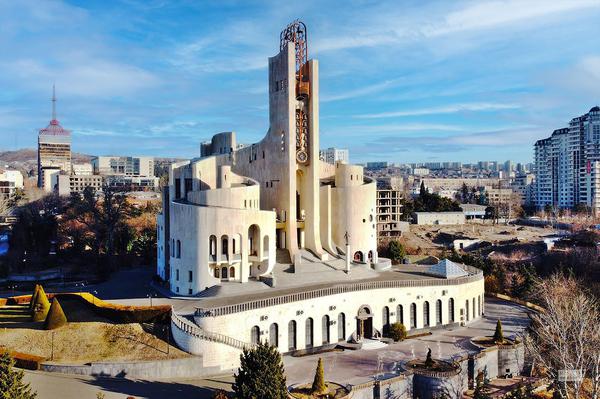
x=83, y=342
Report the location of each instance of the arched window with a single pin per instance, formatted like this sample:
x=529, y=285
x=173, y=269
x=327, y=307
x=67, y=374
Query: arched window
x=341, y=321
x=224, y=272
x=178, y=249
x=255, y=335
x=413, y=315
x=212, y=245
x=426, y=314
x=478, y=305
x=474, y=314
x=325, y=327
x=292, y=335
x=232, y=272
x=438, y=311
x=224, y=245
x=274, y=335
x=467, y=309
x=385, y=317
x=309, y=332
x=451, y=310
x=217, y=272
x=399, y=314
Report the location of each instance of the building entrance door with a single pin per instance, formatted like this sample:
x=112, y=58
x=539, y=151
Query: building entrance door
x=364, y=324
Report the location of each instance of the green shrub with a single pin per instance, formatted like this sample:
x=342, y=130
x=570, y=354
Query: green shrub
x=56, y=317
x=318, y=385
x=398, y=332
x=41, y=306
x=396, y=251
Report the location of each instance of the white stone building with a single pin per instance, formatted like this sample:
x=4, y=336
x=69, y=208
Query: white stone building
x=280, y=246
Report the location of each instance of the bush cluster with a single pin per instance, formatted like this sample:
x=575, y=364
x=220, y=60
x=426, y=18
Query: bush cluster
x=398, y=332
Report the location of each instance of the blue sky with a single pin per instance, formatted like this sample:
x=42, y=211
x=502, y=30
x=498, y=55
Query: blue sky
x=402, y=81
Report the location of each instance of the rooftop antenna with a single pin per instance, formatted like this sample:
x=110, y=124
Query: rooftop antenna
x=53, y=102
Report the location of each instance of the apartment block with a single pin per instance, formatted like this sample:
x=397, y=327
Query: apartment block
x=564, y=164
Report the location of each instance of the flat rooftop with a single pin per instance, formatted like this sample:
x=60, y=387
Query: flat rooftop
x=318, y=278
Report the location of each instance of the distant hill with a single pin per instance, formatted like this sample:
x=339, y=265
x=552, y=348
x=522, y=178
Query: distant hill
x=25, y=159
x=30, y=154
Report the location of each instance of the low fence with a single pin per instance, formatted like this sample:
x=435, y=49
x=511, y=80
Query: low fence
x=521, y=302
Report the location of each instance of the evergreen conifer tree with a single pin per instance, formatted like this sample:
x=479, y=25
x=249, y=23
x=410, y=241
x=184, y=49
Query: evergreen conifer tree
x=41, y=306
x=33, y=297
x=11, y=381
x=318, y=385
x=498, y=334
x=56, y=317
x=261, y=374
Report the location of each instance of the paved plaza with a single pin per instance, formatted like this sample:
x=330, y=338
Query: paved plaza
x=347, y=367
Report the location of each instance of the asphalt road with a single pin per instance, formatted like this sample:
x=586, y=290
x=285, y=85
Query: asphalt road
x=53, y=385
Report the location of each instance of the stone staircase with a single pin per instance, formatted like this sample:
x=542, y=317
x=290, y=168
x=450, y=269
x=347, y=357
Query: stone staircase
x=15, y=313
x=185, y=324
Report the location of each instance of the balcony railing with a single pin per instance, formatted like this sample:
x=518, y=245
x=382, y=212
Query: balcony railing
x=475, y=275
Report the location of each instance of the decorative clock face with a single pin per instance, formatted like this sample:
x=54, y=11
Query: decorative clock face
x=301, y=156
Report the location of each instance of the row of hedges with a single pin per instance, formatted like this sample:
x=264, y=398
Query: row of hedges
x=122, y=313
x=114, y=312
x=25, y=360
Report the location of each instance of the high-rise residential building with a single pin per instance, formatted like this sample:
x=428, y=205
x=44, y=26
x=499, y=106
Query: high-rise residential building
x=54, y=150
x=565, y=164
x=509, y=166
x=332, y=155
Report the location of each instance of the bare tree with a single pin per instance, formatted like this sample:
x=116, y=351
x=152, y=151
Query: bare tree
x=566, y=338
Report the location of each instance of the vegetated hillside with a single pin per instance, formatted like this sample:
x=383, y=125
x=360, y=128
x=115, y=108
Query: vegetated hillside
x=25, y=159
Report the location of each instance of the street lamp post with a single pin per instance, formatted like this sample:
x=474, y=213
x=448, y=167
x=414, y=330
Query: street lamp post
x=52, y=347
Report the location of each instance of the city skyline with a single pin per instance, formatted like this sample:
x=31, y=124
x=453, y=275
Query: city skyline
x=436, y=82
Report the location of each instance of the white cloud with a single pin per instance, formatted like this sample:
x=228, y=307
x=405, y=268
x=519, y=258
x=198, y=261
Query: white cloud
x=447, y=109
x=395, y=28
x=485, y=15
x=85, y=76
x=369, y=89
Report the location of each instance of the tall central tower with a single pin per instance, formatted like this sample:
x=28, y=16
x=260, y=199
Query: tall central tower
x=294, y=122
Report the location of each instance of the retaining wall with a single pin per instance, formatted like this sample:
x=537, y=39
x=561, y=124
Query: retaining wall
x=511, y=359
x=189, y=367
x=485, y=362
